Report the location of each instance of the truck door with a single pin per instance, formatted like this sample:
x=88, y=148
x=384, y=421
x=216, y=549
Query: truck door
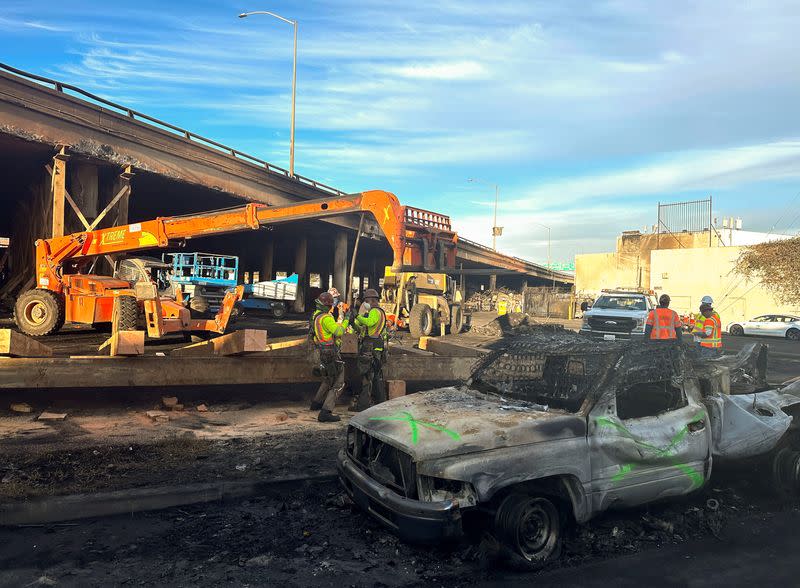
x=647, y=441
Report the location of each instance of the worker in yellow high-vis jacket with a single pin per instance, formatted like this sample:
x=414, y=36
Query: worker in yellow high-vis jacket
x=326, y=334
x=372, y=351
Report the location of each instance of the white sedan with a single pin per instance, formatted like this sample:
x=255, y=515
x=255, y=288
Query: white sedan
x=769, y=325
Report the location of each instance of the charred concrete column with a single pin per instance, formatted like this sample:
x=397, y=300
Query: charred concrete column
x=300, y=263
x=374, y=277
x=267, y=259
x=340, y=267
x=493, y=282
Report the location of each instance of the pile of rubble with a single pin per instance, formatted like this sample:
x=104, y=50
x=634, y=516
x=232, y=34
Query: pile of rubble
x=514, y=323
x=493, y=300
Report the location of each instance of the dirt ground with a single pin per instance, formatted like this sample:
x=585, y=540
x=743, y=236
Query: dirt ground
x=111, y=448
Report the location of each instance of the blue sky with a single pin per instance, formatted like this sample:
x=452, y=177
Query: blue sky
x=585, y=113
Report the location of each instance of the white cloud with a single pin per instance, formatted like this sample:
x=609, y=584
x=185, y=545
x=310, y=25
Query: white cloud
x=17, y=25
x=454, y=70
x=694, y=170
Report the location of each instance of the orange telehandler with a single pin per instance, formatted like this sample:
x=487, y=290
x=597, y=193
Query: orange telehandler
x=64, y=293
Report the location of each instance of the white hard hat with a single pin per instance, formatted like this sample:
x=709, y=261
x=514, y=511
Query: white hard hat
x=334, y=292
x=707, y=300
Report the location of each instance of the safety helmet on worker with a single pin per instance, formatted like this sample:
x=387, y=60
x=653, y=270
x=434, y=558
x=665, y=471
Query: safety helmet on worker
x=325, y=299
x=706, y=301
x=371, y=293
x=333, y=291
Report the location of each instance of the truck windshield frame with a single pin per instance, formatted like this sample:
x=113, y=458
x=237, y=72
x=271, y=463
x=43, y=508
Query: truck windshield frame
x=620, y=302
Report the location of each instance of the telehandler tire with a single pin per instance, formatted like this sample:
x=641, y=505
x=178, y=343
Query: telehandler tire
x=127, y=318
x=39, y=312
x=420, y=320
x=199, y=305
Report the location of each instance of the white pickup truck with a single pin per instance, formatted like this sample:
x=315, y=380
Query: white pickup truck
x=555, y=428
x=618, y=314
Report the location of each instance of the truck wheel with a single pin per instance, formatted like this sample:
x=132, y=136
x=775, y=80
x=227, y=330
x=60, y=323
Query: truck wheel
x=127, y=318
x=420, y=320
x=456, y=319
x=39, y=312
x=736, y=330
x=529, y=528
x=278, y=310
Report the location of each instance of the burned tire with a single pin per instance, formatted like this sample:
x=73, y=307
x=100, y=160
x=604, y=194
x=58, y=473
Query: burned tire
x=530, y=530
x=736, y=330
x=456, y=319
x=39, y=312
x=793, y=335
x=420, y=320
x=127, y=318
x=278, y=310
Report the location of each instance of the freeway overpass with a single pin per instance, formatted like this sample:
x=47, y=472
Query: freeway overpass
x=169, y=170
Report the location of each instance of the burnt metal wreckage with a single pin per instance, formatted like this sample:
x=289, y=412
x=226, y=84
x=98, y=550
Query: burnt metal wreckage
x=553, y=428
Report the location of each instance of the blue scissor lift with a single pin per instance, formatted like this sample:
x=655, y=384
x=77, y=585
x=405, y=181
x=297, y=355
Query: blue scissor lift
x=203, y=277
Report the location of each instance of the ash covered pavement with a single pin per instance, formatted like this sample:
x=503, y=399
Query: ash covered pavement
x=312, y=536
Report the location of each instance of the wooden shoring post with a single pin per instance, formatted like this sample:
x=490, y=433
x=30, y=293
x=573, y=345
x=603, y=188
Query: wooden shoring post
x=58, y=188
x=65, y=196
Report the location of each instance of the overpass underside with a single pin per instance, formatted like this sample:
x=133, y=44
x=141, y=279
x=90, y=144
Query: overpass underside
x=122, y=169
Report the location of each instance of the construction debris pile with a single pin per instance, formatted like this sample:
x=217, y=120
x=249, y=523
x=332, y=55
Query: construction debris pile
x=514, y=323
x=501, y=299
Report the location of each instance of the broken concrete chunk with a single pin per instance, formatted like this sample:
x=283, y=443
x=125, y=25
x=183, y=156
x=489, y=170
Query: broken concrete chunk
x=176, y=407
x=52, y=416
x=169, y=401
x=202, y=408
x=21, y=407
x=157, y=415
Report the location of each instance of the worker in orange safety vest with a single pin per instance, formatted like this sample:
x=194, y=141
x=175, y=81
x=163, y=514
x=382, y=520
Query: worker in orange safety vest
x=708, y=329
x=663, y=323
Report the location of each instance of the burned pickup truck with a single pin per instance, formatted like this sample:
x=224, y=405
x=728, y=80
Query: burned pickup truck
x=553, y=428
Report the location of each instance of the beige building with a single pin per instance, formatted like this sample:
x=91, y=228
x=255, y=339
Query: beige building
x=674, y=272
x=670, y=263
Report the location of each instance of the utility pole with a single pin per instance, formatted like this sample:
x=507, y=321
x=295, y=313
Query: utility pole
x=294, y=79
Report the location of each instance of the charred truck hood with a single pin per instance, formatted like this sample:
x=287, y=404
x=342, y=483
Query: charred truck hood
x=448, y=422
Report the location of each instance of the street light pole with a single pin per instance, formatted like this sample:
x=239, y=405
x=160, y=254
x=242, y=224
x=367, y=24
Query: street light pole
x=494, y=224
x=495, y=229
x=549, y=265
x=294, y=78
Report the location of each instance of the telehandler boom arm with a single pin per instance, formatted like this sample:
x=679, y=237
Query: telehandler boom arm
x=51, y=254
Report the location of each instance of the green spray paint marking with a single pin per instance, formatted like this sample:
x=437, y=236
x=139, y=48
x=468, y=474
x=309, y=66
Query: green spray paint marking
x=415, y=424
x=668, y=451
